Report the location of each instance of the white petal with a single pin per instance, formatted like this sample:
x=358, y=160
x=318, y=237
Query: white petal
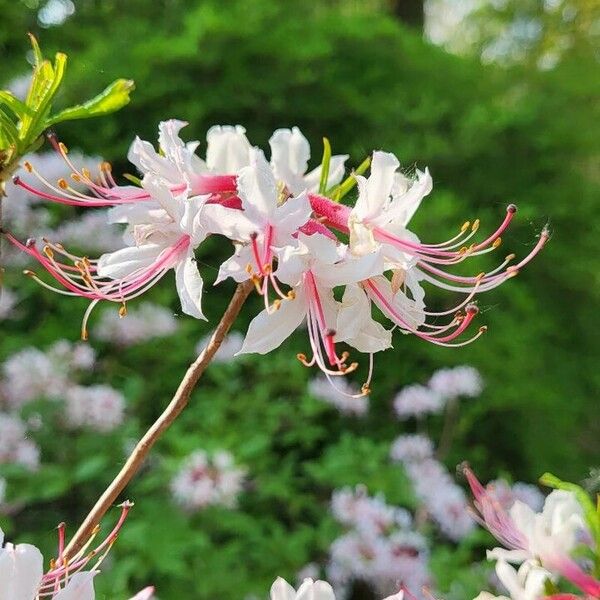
x=282, y=590
x=161, y=192
x=21, y=570
x=356, y=327
x=291, y=264
x=148, y=161
x=193, y=220
x=321, y=247
x=80, y=587
x=227, y=149
x=375, y=191
x=127, y=260
x=349, y=270
x=411, y=311
x=258, y=189
x=189, y=286
x=403, y=207
x=289, y=217
x=235, y=266
x=268, y=331
x=290, y=152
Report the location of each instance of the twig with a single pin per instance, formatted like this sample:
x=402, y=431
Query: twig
x=177, y=404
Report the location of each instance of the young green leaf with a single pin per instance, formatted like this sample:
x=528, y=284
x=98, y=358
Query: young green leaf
x=114, y=97
x=325, y=166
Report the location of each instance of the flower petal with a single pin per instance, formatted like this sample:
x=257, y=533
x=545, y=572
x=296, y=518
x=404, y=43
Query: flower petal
x=227, y=149
x=336, y=173
x=235, y=266
x=268, y=331
x=290, y=152
x=258, y=189
x=282, y=590
x=80, y=587
x=375, y=191
x=127, y=260
x=21, y=570
x=356, y=327
x=289, y=217
x=189, y=286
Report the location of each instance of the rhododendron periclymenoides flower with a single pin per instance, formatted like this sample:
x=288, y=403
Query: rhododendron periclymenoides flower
x=312, y=258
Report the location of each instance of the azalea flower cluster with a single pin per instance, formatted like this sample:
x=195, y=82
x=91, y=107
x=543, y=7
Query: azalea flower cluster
x=381, y=547
x=558, y=544
x=208, y=479
x=312, y=258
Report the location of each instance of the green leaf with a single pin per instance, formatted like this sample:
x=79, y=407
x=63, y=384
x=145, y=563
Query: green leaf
x=589, y=509
x=114, y=97
x=325, y=166
x=18, y=107
x=37, y=52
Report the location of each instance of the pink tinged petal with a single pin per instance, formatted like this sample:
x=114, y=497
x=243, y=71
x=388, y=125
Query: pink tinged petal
x=282, y=590
x=268, y=331
x=403, y=207
x=290, y=152
x=21, y=570
x=235, y=266
x=289, y=217
x=189, y=286
x=336, y=173
x=375, y=191
x=356, y=327
x=258, y=189
x=570, y=570
x=80, y=587
x=127, y=260
x=227, y=149
x=144, y=594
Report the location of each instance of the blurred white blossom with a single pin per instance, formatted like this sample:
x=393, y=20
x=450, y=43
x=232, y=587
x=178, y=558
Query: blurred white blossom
x=380, y=548
x=457, y=381
x=97, y=407
x=15, y=448
x=342, y=395
x=411, y=447
x=205, y=480
x=416, y=401
x=8, y=301
x=141, y=323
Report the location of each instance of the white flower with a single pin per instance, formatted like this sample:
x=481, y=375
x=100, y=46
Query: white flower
x=556, y=531
x=386, y=201
x=290, y=153
x=312, y=269
x=160, y=246
x=15, y=447
x=525, y=584
x=228, y=149
x=263, y=225
x=309, y=590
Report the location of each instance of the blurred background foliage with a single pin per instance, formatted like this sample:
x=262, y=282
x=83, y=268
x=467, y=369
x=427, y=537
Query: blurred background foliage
x=503, y=107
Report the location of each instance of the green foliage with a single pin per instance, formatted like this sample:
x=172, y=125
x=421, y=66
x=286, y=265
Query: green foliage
x=22, y=123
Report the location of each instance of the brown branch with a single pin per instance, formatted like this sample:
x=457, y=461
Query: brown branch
x=177, y=404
